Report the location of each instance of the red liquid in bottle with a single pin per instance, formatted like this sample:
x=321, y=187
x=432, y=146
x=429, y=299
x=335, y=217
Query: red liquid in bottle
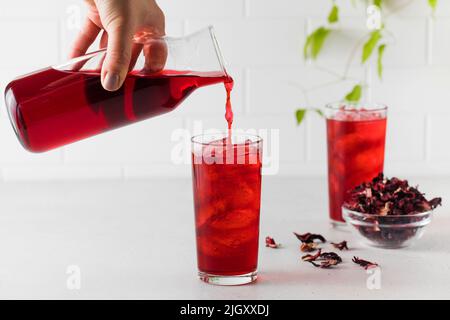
x=52, y=108
x=227, y=205
x=355, y=155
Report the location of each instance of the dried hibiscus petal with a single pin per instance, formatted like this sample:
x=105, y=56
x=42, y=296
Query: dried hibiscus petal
x=435, y=202
x=330, y=256
x=308, y=246
x=326, y=259
x=312, y=257
x=309, y=237
x=364, y=263
x=341, y=245
x=270, y=242
x=325, y=264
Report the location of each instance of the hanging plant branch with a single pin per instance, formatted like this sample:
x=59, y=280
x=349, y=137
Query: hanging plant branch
x=355, y=94
x=314, y=42
x=333, y=16
x=380, y=60
x=319, y=112
x=370, y=45
x=374, y=41
x=300, y=113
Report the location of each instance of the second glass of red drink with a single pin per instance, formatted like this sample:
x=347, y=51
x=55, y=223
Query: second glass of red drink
x=227, y=195
x=356, y=137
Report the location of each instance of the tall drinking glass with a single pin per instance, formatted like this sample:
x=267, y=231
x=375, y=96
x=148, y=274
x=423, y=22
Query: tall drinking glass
x=227, y=195
x=356, y=138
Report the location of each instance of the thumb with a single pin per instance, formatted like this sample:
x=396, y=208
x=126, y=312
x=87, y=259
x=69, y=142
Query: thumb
x=118, y=56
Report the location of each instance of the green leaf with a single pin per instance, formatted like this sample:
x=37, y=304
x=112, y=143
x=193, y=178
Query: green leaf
x=320, y=35
x=319, y=112
x=300, y=115
x=380, y=60
x=314, y=42
x=307, y=45
x=333, y=17
x=377, y=3
x=433, y=4
x=355, y=94
x=370, y=44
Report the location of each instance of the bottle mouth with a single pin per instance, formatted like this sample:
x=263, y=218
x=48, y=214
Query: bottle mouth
x=217, y=50
x=149, y=37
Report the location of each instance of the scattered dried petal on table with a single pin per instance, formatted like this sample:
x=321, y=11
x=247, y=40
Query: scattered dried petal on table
x=325, y=264
x=308, y=246
x=309, y=237
x=270, y=242
x=364, y=263
x=341, y=245
x=326, y=259
x=310, y=257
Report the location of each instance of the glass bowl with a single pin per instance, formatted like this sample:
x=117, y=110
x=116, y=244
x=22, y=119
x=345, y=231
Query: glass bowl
x=393, y=231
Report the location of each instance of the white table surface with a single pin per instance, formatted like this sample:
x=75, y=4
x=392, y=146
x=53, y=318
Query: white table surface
x=135, y=240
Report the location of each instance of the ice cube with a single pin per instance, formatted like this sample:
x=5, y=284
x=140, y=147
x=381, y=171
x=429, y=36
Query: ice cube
x=239, y=218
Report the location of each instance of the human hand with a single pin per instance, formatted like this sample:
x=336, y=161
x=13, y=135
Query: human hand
x=121, y=20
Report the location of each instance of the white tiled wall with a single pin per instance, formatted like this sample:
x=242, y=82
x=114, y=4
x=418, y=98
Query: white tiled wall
x=262, y=43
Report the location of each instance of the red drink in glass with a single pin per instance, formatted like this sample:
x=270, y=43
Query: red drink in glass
x=227, y=194
x=356, y=140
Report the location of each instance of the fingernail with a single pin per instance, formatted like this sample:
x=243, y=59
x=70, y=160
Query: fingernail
x=156, y=67
x=111, y=81
x=159, y=67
